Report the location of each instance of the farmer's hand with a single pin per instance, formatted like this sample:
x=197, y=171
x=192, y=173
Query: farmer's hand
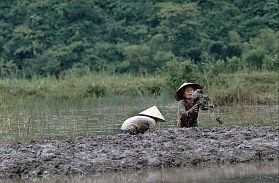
x=195, y=109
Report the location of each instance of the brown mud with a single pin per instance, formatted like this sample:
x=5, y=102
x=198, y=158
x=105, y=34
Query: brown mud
x=164, y=148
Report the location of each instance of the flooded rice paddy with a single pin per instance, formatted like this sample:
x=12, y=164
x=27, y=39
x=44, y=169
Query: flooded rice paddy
x=78, y=141
x=56, y=119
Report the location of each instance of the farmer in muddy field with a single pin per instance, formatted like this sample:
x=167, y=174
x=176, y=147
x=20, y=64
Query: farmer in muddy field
x=145, y=121
x=188, y=107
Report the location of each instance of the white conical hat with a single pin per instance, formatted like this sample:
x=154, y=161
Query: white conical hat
x=180, y=92
x=153, y=112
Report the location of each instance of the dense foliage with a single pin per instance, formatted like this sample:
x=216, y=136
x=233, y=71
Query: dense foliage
x=51, y=37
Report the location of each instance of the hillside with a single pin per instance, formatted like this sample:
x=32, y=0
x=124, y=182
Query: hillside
x=49, y=37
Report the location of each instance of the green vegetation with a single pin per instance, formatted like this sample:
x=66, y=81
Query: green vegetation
x=249, y=88
x=62, y=48
x=38, y=118
x=56, y=54
x=90, y=85
x=92, y=48
x=50, y=37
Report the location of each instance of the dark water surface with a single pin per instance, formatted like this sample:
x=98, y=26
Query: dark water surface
x=261, y=172
x=54, y=119
x=246, y=173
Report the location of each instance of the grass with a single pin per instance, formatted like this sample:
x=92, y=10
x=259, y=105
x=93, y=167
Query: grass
x=253, y=88
x=248, y=88
x=46, y=108
x=59, y=119
x=90, y=85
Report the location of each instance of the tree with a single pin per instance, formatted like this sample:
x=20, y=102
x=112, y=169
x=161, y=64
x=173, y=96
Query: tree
x=266, y=40
x=254, y=59
x=7, y=68
x=138, y=58
x=186, y=72
x=233, y=49
x=217, y=50
x=55, y=61
x=179, y=22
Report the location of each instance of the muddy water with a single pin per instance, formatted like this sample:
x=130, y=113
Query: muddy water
x=260, y=172
x=67, y=119
x=90, y=144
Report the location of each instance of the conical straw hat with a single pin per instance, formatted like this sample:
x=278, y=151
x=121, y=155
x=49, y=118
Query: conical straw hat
x=153, y=112
x=180, y=92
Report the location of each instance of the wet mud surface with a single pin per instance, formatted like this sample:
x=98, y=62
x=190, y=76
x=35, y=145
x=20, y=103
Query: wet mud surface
x=164, y=148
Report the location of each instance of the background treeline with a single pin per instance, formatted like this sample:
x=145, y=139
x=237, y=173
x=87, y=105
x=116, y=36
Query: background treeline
x=53, y=37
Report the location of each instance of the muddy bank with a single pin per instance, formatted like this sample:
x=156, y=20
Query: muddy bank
x=168, y=148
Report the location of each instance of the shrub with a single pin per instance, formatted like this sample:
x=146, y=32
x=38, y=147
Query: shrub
x=94, y=91
x=254, y=59
x=233, y=49
x=234, y=64
x=270, y=62
x=179, y=72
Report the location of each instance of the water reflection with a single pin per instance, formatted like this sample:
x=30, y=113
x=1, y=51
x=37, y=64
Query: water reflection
x=67, y=119
x=261, y=172
x=258, y=172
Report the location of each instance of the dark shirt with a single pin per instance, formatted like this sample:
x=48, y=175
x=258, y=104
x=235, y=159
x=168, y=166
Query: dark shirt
x=185, y=118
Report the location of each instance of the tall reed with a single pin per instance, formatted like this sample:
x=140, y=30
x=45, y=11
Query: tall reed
x=251, y=88
x=248, y=88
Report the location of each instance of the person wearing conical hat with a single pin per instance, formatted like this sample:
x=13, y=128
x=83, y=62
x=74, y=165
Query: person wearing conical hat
x=187, y=109
x=144, y=121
